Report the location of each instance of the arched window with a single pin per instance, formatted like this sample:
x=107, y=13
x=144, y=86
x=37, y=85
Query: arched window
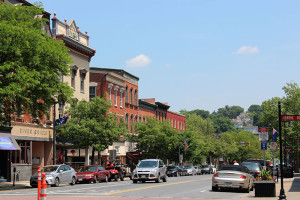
x=126, y=121
x=131, y=123
x=126, y=95
x=136, y=97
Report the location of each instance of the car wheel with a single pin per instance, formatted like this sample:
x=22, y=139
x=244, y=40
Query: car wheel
x=165, y=179
x=56, y=182
x=213, y=188
x=116, y=177
x=158, y=179
x=247, y=190
x=106, y=179
x=121, y=177
x=95, y=179
x=73, y=180
x=134, y=181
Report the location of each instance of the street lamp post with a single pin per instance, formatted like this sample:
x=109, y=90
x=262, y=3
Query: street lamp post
x=179, y=149
x=54, y=135
x=282, y=194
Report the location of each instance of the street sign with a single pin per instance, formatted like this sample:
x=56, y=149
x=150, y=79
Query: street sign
x=263, y=146
x=263, y=136
x=273, y=146
x=263, y=129
x=290, y=117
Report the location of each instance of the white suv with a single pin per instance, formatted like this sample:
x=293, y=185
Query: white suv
x=150, y=170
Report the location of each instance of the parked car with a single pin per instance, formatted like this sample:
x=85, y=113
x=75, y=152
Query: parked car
x=198, y=170
x=254, y=168
x=174, y=171
x=191, y=171
x=261, y=162
x=150, y=170
x=92, y=173
x=184, y=172
x=55, y=174
x=233, y=176
x=206, y=169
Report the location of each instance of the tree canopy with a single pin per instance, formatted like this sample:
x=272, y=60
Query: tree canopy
x=31, y=64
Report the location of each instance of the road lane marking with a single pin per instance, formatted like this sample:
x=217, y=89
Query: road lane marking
x=143, y=188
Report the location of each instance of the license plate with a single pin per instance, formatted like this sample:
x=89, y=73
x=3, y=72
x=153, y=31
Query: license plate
x=143, y=176
x=80, y=179
x=228, y=184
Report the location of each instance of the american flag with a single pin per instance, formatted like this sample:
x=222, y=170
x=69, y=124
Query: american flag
x=274, y=136
x=62, y=120
x=186, y=144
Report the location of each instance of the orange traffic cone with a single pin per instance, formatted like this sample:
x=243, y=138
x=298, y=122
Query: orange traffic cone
x=44, y=188
x=39, y=183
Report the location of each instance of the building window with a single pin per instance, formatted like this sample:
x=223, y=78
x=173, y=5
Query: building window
x=136, y=97
x=82, y=83
x=126, y=120
x=131, y=102
x=116, y=97
x=126, y=95
x=23, y=156
x=144, y=118
x=92, y=92
x=136, y=119
x=117, y=148
x=174, y=123
x=140, y=118
x=131, y=123
x=109, y=95
x=121, y=102
x=73, y=78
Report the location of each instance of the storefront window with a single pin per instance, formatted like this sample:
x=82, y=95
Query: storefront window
x=23, y=156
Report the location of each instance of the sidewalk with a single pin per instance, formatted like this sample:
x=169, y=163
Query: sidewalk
x=291, y=189
x=18, y=185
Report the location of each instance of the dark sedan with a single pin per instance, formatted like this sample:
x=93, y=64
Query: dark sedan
x=174, y=171
x=254, y=168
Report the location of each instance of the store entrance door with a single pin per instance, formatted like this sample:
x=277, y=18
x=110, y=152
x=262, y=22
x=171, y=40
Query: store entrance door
x=4, y=165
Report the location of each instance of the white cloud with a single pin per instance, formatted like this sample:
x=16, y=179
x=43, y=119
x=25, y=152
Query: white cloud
x=247, y=50
x=138, y=61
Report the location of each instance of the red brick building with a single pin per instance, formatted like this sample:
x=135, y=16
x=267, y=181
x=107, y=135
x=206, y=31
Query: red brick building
x=177, y=121
x=121, y=89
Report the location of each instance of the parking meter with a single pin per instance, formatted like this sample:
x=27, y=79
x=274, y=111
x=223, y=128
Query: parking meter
x=14, y=170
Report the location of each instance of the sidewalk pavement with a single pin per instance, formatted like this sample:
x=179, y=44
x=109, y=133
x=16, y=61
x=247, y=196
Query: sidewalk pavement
x=291, y=189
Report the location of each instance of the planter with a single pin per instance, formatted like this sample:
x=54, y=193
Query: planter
x=265, y=188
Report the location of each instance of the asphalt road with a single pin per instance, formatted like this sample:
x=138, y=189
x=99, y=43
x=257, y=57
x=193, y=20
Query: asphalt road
x=193, y=187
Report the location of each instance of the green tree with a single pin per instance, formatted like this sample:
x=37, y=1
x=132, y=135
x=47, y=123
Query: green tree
x=221, y=123
x=254, y=111
x=230, y=111
x=156, y=139
x=92, y=125
x=31, y=64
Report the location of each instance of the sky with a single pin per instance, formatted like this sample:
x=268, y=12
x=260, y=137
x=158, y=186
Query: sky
x=194, y=54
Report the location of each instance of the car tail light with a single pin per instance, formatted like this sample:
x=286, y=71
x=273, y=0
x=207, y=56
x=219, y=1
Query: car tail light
x=243, y=177
x=216, y=175
x=257, y=173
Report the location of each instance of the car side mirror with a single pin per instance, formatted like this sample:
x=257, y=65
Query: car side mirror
x=99, y=170
x=60, y=171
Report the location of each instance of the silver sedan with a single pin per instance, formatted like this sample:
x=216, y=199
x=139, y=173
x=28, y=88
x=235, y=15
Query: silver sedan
x=233, y=176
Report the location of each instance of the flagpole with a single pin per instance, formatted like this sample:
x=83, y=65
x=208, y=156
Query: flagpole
x=54, y=136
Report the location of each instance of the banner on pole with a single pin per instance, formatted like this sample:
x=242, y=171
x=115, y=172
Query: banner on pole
x=263, y=146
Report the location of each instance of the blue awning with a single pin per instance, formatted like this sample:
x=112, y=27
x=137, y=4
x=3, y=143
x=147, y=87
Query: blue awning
x=8, y=142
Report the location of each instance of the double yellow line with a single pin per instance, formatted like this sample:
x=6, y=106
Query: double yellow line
x=144, y=188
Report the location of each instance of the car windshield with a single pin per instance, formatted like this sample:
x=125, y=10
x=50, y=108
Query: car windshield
x=146, y=164
x=187, y=167
x=232, y=168
x=49, y=169
x=171, y=167
x=88, y=169
x=205, y=166
x=251, y=167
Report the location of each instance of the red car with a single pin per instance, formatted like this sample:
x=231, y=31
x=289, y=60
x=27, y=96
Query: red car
x=92, y=173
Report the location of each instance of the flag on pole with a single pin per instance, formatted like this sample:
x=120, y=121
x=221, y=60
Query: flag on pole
x=62, y=120
x=274, y=136
x=186, y=144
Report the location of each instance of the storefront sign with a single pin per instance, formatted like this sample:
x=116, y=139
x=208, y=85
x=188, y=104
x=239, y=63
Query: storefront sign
x=32, y=131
